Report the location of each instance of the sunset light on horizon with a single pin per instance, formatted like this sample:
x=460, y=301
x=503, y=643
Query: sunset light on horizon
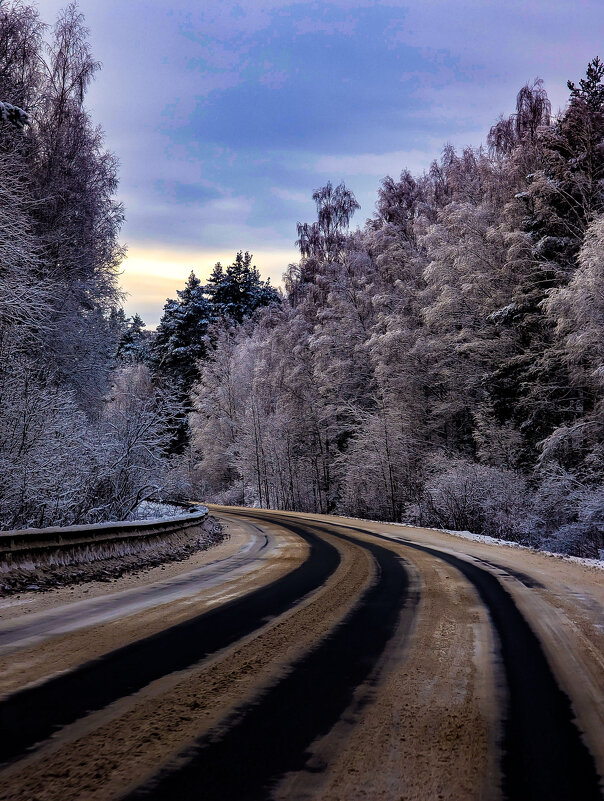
x=151, y=275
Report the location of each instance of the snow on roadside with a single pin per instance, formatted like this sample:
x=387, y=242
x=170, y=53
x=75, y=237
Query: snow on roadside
x=483, y=538
x=156, y=510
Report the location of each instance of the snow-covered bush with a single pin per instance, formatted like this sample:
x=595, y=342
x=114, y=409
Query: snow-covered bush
x=569, y=515
x=152, y=510
x=466, y=496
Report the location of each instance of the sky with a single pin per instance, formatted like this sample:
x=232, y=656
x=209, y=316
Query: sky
x=226, y=116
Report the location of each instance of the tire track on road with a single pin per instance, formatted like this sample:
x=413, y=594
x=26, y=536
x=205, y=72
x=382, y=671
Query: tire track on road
x=544, y=756
x=270, y=738
x=84, y=614
x=108, y=753
x=33, y=714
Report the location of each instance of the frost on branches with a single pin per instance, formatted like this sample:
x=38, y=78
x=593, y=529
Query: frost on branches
x=14, y=115
x=82, y=437
x=442, y=365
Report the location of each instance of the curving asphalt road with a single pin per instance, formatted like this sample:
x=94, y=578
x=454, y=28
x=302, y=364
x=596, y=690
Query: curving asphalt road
x=273, y=734
x=69, y=696
x=378, y=662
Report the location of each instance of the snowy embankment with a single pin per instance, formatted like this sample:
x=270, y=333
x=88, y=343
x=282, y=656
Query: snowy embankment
x=468, y=535
x=154, y=510
x=34, y=559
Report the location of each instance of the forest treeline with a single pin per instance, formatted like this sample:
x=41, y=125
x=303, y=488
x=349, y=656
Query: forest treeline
x=442, y=365
x=63, y=447
x=93, y=409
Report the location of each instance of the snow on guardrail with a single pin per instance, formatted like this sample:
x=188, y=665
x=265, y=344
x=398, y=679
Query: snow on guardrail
x=84, y=543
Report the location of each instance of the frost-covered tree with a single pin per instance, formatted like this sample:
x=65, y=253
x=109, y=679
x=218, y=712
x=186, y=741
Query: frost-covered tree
x=133, y=344
x=442, y=365
x=324, y=238
x=76, y=218
x=568, y=192
x=131, y=445
x=64, y=457
x=45, y=450
x=578, y=312
x=533, y=110
x=548, y=221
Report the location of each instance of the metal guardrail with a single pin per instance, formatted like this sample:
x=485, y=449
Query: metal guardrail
x=35, y=544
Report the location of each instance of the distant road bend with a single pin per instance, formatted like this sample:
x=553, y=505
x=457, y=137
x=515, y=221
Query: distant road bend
x=311, y=657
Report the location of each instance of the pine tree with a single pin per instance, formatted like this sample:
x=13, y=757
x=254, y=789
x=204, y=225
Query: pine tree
x=180, y=341
x=238, y=292
x=179, y=345
x=215, y=282
x=132, y=344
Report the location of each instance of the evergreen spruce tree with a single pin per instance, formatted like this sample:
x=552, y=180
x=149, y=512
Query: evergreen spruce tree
x=180, y=340
x=180, y=343
x=214, y=282
x=132, y=344
x=237, y=292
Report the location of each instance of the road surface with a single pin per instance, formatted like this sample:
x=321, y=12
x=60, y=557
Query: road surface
x=311, y=657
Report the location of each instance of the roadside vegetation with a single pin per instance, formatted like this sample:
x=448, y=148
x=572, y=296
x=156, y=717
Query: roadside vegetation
x=443, y=364
x=93, y=409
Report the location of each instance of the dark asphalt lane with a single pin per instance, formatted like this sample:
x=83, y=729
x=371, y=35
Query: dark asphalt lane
x=544, y=757
x=270, y=737
x=33, y=714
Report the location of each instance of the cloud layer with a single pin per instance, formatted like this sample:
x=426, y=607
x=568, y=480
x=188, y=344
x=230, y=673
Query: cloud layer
x=227, y=118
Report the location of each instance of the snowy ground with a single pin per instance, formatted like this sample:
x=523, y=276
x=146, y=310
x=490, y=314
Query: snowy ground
x=155, y=510
x=468, y=535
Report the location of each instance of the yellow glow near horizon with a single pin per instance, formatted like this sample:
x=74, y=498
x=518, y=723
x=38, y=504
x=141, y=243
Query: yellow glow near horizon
x=150, y=275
